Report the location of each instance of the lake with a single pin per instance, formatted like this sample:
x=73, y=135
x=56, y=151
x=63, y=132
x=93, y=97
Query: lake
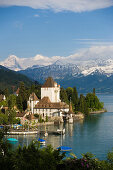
x=93, y=134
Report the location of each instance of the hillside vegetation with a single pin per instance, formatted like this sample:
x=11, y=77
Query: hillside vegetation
x=9, y=78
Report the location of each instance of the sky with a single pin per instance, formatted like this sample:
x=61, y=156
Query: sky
x=54, y=27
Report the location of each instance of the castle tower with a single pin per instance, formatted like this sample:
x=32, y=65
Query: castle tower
x=51, y=89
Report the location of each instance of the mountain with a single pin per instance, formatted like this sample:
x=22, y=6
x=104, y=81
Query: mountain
x=15, y=63
x=87, y=60
x=71, y=75
x=10, y=78
x=86, y=69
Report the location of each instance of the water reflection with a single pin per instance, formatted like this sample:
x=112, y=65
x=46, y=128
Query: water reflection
x=93, y=134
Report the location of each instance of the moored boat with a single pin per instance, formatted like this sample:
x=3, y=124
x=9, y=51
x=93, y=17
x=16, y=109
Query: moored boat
x=65, y=148
x=42, y=141
x=12, y=140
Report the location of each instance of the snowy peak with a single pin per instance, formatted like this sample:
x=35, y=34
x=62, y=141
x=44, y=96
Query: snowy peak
x=85, y=62
x=12, y=62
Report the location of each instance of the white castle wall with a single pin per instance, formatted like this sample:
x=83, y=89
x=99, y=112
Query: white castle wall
x=52, y=92
x=32, y=104
x=50, y=112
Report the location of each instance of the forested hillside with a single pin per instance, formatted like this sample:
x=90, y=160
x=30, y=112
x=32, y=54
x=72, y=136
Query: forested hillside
x=11, y=79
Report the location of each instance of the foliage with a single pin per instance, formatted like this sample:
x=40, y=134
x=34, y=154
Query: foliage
x=46, y=118
x=19, y=103
x=32, y=157
x=23, y=94
x=3, y=119
x=63, y=95
x=11, y=113
x=11, y=101
x=40, y=119
x=4, y=103
x=9, y=117
x=88, y=161
x=110, y=156
x=36, y=115
x=93, y=102
x=81, y=104
x=10, y=79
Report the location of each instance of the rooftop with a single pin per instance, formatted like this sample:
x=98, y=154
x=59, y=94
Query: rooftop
x=33, y=97
x=1, y=97
x=45, y=103
x=49, y=82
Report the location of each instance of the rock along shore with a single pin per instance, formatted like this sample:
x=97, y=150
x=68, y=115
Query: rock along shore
x=98, y=111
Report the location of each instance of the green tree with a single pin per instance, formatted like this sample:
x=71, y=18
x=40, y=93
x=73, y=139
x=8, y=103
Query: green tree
x=11, y=101
x=6, y=92
x=19, y=103
x=24, y=95
x=3, y=119
x=63, y=95
x=82, y=105
x=11, y=113
x=93, y=102
x=75, y=98
x=69, y=91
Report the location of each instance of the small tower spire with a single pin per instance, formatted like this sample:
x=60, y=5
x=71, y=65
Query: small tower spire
x=70, y=106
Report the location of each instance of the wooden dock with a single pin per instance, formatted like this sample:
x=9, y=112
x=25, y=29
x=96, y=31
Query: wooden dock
x=57, y=132
x=22, y=132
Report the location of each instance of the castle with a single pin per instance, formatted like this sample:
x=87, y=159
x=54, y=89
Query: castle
x=50, y=104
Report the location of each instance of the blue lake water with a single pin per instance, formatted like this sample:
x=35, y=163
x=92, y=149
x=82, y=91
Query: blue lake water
x=93, y=134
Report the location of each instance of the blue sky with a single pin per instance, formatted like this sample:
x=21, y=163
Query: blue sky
x=52, y=31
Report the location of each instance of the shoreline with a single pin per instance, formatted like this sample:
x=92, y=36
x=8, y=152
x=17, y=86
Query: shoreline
x=98, y=111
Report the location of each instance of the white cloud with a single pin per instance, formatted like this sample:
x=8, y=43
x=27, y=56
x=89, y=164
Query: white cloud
x=97, y=43
x=60, y=5
x=83, y=56
x=93, y=53
x=36, y=15
x=85, y=39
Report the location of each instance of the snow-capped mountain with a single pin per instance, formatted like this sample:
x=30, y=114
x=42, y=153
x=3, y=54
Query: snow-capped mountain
x=86, y=69
x=15, y=63
x=84, y=62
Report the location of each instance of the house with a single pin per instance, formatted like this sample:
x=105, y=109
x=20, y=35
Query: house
x=50, y=104
x=2, y=97
x=33, y=100
x=17, y=92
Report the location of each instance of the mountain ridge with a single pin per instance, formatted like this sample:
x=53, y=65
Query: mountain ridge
x=9, y=79
x=95, y=63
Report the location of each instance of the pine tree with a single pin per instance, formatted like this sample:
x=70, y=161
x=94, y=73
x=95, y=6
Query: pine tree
x=69, y=91
x=6, y=92
x=63, y=95
x=24, y=95
x=19, y=103
x=94, y=91
x=75, y=98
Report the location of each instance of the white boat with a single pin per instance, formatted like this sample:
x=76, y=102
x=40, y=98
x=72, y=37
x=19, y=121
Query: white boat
x=61, y=131
x=45, y=134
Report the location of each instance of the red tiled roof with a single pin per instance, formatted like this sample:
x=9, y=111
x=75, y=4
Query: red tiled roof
x=17, y=92
x=49, y=82
x=45, y=103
